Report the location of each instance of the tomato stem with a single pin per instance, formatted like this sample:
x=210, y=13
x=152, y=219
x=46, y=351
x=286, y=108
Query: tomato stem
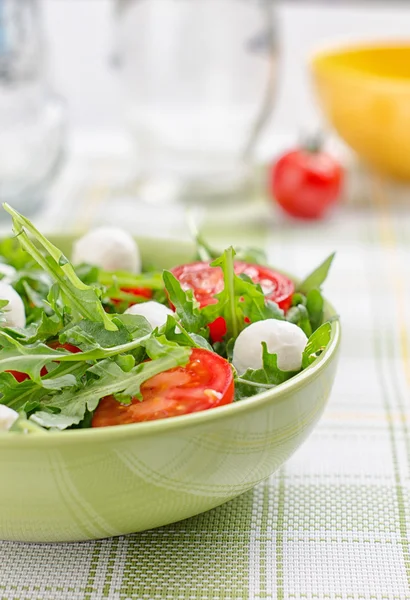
x=313, y=143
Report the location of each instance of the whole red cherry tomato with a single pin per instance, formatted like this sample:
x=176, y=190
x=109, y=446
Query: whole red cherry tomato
x=205, y=382
x=206, y=281
x=306, y=182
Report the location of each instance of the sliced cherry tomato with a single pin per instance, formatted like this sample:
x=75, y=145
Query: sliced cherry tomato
x=19, y=376
x=69, y=347
x=306, y=182
x=205, y=382
x=217, y=329
x=144, y=292
x=207, y=281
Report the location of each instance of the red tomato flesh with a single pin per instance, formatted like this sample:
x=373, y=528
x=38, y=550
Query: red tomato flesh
x=205, y=382
x=69, y=347
x=18, y=375
x=207, y=281
x=141, y=292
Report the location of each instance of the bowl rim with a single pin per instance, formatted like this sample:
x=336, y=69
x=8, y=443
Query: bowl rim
x=317, y=57
x=135, y=430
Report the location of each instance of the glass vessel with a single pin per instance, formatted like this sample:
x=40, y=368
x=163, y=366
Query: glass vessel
x=200, y=78
x=32, y=119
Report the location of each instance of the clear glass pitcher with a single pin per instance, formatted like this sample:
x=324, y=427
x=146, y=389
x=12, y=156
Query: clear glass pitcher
x=32, y=119
x=200, y=78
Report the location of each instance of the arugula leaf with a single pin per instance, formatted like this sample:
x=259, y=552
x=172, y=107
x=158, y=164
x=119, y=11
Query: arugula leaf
x=190, y=316
x=315, y=308
x=174, y=332
x=227, y=305
x=88, y=274
x=23, y=425
x=14, y=255
x=317, y=277
x=253, y=302
x=298, y=298
x=16, y=395
x=3, y=304
x=82, y=298
x=122, y=279
x=317, y=342
x=31, y=358
x=89, y=335
x=47, y=327
x=299, y=315
x=59, y=420
x=206, y=253
x=126, y=362
x=254, y=381
x=33, y=287
x=27, y=395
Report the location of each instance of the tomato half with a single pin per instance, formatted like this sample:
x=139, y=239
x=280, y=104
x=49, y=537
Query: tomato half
x=205, y=382
x=207, y=281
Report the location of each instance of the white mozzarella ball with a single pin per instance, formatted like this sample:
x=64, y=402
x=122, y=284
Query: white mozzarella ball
x=109, y=248
x=155, y=313
x=8, y=272
x=284, y=339
x=13, y=313
x=7, y=417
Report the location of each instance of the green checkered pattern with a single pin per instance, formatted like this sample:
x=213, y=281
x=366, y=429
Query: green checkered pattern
x=334, y=523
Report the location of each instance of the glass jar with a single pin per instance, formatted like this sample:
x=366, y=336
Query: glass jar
x=200, y=79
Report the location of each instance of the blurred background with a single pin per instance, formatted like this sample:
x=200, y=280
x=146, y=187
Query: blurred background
x=130, y=111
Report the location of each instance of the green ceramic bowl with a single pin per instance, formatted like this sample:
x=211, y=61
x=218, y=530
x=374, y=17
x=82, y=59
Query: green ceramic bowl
x=88, y=484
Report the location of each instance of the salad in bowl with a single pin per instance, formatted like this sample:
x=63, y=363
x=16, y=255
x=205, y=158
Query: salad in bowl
x=144, y=382
x=91, y=340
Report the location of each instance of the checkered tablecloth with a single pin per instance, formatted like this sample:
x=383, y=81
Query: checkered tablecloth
x=334, y=523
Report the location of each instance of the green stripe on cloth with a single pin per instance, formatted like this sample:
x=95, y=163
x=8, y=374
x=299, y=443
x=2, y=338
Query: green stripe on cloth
x=198, y=558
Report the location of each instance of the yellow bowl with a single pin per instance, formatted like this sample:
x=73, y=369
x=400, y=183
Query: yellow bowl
x=365, y=93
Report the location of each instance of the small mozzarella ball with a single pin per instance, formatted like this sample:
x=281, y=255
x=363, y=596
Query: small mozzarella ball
x=284, y=339
x=155, y=313
x=109, y=248
x=13, y=313
x=7, y=417
x=8, y=272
